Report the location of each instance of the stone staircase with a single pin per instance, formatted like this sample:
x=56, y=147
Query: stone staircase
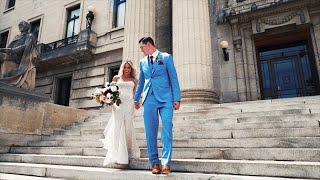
x=246, y=140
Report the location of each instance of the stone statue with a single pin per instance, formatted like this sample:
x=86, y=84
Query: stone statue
x=19, y=59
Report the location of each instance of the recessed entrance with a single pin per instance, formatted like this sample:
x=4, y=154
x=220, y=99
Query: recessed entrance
x=287, y=70
x=63, y=87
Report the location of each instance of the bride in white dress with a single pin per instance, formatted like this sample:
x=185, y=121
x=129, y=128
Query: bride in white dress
x=120, y=140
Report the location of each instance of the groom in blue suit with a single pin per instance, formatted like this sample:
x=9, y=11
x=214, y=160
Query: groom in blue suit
x=159, y=86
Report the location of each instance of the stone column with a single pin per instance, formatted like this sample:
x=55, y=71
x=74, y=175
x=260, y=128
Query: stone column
x=192, y=50
x=139, y=22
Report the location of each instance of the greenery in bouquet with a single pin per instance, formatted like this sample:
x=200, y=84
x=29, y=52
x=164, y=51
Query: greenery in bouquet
x=108, y=94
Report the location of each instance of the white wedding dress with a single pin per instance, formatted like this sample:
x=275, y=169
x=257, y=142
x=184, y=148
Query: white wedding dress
x=120, y=140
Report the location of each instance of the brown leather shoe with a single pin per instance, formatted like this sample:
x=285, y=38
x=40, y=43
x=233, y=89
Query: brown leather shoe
x=166, y=169
x=156, y=169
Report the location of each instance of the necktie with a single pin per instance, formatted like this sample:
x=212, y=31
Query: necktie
x=151, y=59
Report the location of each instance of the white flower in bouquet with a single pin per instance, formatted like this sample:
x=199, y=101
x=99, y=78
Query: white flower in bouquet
x=105, y=89
x=106, y=84
x=114, y=88
x=109, y=95
x=107, y=100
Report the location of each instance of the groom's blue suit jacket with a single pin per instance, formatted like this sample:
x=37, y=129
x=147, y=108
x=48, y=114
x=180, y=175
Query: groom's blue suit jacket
x=162, y=79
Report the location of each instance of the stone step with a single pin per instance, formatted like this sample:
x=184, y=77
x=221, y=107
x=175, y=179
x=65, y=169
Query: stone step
x=17, y=177
x=272, y=154
x=291, y=117
x=204, y=118
x=50, y=150
x=253, y=106
x=93, y=173
x=210, y=127
x=276, y=154
x=90, y=144
x=221, y=121
x=271, y=102
x=219, y=134
x=68, y=132
x=244, y=167
x=269, y=133
x=285, y=154
x=14, y=143
x=87, y=137
x=196, y=153
x=281, y=142
x=73, y=160
x=182, y=117
x=229, y=114
x=4, y=149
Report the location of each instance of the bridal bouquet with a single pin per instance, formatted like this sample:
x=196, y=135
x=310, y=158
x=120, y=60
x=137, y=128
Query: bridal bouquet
x=108, y=94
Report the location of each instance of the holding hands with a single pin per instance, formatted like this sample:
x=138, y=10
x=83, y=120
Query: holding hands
x=136, y=105
x=176, y=105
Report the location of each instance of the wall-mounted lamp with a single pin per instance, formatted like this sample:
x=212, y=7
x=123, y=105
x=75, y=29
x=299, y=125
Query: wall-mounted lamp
x=224, y=45
x=90, y=16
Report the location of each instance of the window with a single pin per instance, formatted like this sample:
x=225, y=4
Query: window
x=73, y=22
x=10, y=4
x=35, y=27
x=119, y=12
x=4, y=39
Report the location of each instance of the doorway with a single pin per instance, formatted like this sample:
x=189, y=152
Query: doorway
x=63, y=88
x=287, y=71
x=286, y=63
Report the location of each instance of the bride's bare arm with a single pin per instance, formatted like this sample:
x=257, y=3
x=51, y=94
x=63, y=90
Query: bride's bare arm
x=115, y=78
x=135, y=86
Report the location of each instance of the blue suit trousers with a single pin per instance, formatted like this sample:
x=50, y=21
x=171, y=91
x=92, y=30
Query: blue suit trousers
x=152, y=109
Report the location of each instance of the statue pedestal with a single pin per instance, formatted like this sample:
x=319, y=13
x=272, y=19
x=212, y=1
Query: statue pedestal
x=27, y=115
x=7, y=69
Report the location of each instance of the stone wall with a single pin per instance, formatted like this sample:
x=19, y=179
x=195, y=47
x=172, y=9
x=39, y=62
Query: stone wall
x=27, y=115
x=53, y=17
x=86, y=77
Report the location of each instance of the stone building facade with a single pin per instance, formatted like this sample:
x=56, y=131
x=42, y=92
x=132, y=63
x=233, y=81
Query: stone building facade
x=273, y=45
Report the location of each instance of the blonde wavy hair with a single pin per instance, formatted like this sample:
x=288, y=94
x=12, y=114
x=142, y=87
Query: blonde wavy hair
x=133, y=72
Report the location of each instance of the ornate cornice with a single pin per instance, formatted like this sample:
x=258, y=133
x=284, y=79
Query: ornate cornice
x=261, y=24
x=285, y=19
x=248, y=15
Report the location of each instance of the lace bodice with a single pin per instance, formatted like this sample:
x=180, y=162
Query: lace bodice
x=126, y=91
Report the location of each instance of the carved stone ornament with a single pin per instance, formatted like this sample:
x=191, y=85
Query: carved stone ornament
x=280, y=21
x=237, y=44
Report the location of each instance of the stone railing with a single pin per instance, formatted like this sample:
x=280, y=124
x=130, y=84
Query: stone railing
x=61, y=43
x=73, y=49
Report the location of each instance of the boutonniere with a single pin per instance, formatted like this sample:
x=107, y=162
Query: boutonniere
x=159, y=60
